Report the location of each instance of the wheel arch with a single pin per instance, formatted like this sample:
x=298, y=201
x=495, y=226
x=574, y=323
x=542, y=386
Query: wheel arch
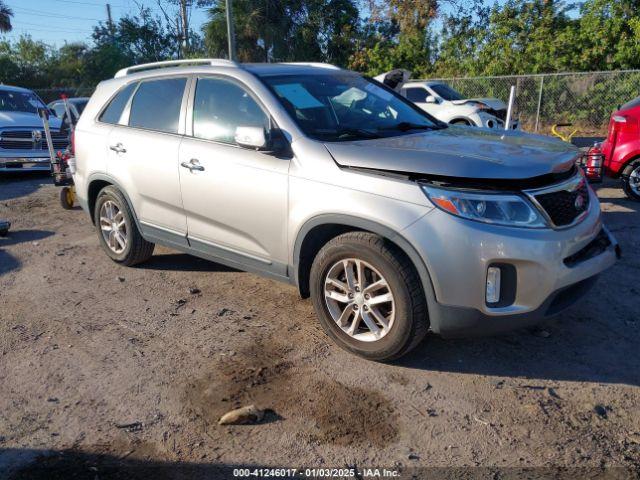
x=467, y=120
x=99, y=181
x=632, y=158
x=317, y=231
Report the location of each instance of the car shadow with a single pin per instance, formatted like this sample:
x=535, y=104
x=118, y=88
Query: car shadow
x=578, y=348
x=20, y=236
x=182, y=262
x=21, y=184
x=8, y=262
x=31, y=464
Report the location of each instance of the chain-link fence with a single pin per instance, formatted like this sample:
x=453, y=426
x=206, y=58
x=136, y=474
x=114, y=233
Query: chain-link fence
x=584, y=99
x=51, y=94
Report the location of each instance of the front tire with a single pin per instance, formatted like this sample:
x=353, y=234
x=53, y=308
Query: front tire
x=117, y=230
x=631, y=180
x=368, y=296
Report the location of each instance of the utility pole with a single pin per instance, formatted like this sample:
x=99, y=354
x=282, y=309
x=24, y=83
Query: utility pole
x=110, y=20
x=230, y=33
x=185, y=27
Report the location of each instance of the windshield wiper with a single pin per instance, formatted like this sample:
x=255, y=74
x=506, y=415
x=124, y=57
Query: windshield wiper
x=406, y=126
x=356, y=132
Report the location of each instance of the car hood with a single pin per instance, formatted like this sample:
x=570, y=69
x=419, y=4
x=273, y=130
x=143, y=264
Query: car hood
x=460, y=152
x=26, y=120
x=494, y=103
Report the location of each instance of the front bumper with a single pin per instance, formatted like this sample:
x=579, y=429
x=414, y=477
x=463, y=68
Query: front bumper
x=21, y=164
x=487, y=120
x=551, y=273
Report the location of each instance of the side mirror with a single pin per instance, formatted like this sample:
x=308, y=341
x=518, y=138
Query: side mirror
x=430, y=99
x=251, y=137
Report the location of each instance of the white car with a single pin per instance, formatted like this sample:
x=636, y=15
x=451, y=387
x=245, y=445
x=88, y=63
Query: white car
x=447, y=105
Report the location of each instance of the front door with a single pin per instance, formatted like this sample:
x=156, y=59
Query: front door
x=235, y=199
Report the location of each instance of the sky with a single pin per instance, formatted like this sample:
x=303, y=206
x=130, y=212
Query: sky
x=58, y=21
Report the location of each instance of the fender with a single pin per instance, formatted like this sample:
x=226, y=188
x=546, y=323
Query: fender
x=379, y=229
x=108, y=178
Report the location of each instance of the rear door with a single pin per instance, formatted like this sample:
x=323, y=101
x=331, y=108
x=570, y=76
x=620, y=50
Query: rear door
x=236, y=200
x=143, y=154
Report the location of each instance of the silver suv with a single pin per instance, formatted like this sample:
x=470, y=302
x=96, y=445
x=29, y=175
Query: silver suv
x=392, y=221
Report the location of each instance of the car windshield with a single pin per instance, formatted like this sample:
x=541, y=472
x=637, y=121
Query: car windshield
x=344, y=106
x=632, y=104
x=80, y=104
x=13, y=101
x=446, y=92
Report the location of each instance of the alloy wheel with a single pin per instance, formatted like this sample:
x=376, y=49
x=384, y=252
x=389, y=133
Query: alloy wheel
x=359, y=299
x=113, y=227
x=634, y=180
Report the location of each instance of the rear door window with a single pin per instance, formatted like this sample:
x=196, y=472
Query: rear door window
x=156, y=105
x=417, y=94
x=114, y=111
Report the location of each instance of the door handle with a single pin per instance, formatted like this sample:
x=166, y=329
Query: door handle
x=118, y=148
x=194, y=164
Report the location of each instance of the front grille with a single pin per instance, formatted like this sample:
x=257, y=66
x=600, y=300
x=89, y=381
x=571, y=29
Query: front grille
x=26, y=140
x=565, y=204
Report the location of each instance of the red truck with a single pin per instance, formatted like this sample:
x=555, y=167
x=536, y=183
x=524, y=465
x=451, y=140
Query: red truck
x=618, y=156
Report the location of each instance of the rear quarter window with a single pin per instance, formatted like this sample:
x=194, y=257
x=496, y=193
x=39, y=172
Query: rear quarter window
x=114, y=110
x=156, y=105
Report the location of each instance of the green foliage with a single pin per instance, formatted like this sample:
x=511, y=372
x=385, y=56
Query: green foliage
x=540, y=36
x=5, y=17
x=285, y=30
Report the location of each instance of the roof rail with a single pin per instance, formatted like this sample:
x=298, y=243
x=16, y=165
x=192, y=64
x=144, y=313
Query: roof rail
x=175, y=63
x=313, y=64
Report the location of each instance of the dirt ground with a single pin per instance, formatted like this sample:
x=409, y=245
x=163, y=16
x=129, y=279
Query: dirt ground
x=114, y=372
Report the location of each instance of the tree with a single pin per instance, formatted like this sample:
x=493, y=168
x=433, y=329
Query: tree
x=279, y=30
x=398, y=37
x=540, y=36
x=5, y=17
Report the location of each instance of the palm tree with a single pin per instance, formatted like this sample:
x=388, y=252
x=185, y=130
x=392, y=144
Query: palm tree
x=5, y=18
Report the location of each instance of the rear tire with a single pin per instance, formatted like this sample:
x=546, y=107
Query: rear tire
x=117, y=229
x=631, y=180
x=398, y=324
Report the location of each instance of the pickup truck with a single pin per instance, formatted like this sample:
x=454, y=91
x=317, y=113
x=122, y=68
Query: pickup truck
x=23, y=145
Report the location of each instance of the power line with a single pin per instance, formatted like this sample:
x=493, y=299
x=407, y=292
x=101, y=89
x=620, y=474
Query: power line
x=52, y=14
x=76, y=30
x=101, y=5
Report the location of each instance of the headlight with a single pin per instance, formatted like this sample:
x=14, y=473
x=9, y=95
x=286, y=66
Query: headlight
x=496, y=208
